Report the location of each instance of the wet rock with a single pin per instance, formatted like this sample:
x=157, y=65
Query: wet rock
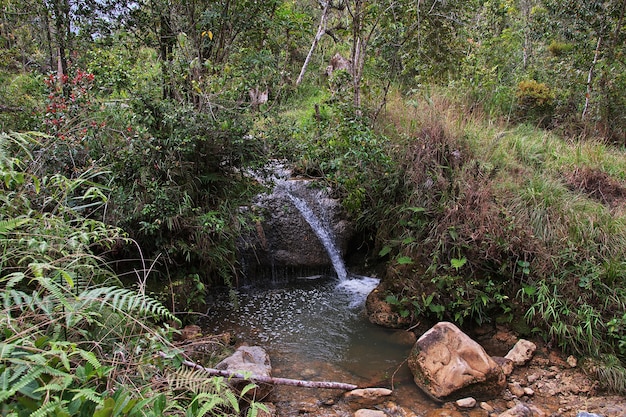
x=519, y=410
x=382, y=313
x=522, y=352
x=253, y=360
x=468, y=402
x=486, y=406
x=369, y=413
x=366, y=397
x=516, y=389
x=447, y=365
x=283, y=241
x=504, y=363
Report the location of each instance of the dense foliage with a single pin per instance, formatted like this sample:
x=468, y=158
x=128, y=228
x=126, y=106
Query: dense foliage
x=478, y=146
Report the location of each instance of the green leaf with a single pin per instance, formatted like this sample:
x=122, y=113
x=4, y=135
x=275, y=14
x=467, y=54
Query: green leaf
x=107, y=408
x=404, y=260
x=384, y=251
x=458, y=263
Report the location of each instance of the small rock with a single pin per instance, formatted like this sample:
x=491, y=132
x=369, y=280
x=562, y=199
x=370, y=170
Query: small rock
x=532, y=378
x=468, y=402
x=516, y=389
x=368, y=393
x=367, y=396
x=529, y=391
x=519, y=410
x=487, y=407
x=537, y=412
x=571, y=361
x=586, y=414
x=522, y=352
x=507, y=365
x=369, y=413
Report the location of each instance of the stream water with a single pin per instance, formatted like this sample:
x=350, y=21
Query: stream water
x=315, y=328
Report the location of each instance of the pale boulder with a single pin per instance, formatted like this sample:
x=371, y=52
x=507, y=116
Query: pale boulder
x=252, y=360
x=448, y=365
x=522, y=352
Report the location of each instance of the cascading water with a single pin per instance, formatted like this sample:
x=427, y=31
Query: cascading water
x=323, y=233
x=318, y=323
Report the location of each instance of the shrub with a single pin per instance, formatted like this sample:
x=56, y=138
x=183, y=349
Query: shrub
x=535, y=101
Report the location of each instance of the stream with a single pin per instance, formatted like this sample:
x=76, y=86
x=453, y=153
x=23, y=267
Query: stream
x=315, y=328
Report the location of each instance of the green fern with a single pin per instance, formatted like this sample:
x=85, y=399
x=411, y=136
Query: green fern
x=9, y=225
x=126, y=300
x=195, y=380
x=48, y=408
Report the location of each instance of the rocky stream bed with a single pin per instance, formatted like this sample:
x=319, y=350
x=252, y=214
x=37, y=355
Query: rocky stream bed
x=548, y=385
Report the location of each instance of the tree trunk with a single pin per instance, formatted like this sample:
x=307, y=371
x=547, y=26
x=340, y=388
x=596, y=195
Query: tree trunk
x=321, y=30
x=590, y=78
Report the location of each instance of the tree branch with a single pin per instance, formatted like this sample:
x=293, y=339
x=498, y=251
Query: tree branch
x=267, y=379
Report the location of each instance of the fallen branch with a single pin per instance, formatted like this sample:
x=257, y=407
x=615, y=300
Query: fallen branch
x=267, y=379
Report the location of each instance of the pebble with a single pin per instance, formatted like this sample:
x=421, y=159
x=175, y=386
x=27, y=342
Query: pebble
x=468, y=402
x=529, y=391
x=369, y=413
x=516, y=389
x=571, y=361
x=532, y=378
x=487, y=407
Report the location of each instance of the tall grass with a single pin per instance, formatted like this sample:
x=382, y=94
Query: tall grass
x=539, y=214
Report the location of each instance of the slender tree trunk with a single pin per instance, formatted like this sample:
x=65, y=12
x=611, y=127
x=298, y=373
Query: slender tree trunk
x=357, y=53
x=590, y=78
x=321, y=30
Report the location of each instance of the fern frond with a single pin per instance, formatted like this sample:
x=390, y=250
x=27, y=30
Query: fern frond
x=127, y=301
x=48, y=408
x=24, y=381
x=89, y=394
x=91, y=358
x=195, y=380
x=213, y=402
x=8, y=225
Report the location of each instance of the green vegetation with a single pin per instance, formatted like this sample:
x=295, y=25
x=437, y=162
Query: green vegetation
x=479, y=149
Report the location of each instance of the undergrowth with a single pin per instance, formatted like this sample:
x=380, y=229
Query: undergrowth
x=506, y=223
x=72, y=341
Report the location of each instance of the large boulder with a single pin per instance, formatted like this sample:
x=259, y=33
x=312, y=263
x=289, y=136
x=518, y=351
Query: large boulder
x=448, y=365
x=252, y=360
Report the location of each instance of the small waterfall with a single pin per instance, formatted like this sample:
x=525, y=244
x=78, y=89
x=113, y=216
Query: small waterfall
x=323, y=233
